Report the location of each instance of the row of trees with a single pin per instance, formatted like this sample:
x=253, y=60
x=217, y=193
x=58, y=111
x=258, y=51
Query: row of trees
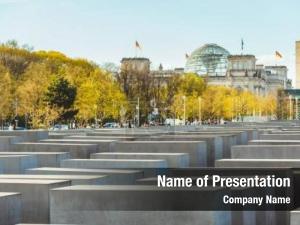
x=217, y=102
x=40, y=88
x=188, y=96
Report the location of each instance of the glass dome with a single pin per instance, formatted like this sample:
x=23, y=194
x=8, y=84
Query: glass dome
x=210, y=60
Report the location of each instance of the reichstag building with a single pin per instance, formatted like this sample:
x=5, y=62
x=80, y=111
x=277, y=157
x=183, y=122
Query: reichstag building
x=219, y=67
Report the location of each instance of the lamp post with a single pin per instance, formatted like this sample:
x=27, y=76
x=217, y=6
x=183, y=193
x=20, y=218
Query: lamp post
x=200, y=115
x=95, y=115
x=296, y=101
x=16, y=112
x=138, y=112
x=291, y=107
x=184, y=98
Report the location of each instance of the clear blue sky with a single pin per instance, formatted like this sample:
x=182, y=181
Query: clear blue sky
x=105, y=31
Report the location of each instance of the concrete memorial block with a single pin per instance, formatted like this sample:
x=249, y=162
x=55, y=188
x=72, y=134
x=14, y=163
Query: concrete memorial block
x=102, y=199
x=197, y=150
x=266, y=152
x=103, y=145
x=274, y=142
x=34, y=196
x=252, y=134
x=10, y=208
x=82, y=151
x=281, y=136
x=284, y=132
x=112, y=176
x=26, y=135
x=295, y=217
x=120, y=134
x=123, y=133
x=57, y=136
x=147, y=181
x=75, y=179
x=215, y=145
x=241, y=136
x=44, y=159
x=118, y=138
x=227, y=139
x=14, y=164
x=259, y=163
x=114, y=163
x=174, y=160
x=7, y=141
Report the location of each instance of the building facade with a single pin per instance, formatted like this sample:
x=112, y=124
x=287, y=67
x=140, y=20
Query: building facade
x=298, y=64
x=219, y=67
x=238, y=71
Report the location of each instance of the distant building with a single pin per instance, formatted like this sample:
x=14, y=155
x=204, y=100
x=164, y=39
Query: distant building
x=139, y=65
x=238, y=71
x=298, y=64
x=220, y=68
x=288, y=104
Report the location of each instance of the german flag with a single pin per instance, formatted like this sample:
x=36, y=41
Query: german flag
x=278, y=55
x=137, y=45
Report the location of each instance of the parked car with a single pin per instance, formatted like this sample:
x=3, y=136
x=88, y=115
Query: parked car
x=173, y=122
x=57, y=127
x=20, y=128
x=111, y=125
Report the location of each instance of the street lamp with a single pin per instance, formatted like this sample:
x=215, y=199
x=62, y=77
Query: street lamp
x=199, y=105
x=138, y=112
x=184, y=98
x=16, y=112
x=95, y=112
x=291, y=107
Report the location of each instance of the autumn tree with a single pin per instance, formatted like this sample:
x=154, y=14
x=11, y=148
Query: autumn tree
x=100, y=97
x=60, y=95
x=6, y=90
x=30, y=93
x=189, y=89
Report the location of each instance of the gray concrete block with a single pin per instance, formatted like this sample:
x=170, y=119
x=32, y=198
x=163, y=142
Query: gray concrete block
x=118, y=138
x=274, y=142
x=119, y=134
x=259, y=163
x=103, y=145
x=44, y=159
x=174, y=160
x=35, y=196
x=10, y=208
x=113, y=176
x=113, y=163
x=14, y=164
x=215, y=144
x=241, y=136
x=101, y=198
x=43, y=224
x=26, y=135
x=295, y=217
x=266, y=152
x=75, y=179
x=7, y=141
x=82, y=151
x=281, y=136
x=197, y=150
